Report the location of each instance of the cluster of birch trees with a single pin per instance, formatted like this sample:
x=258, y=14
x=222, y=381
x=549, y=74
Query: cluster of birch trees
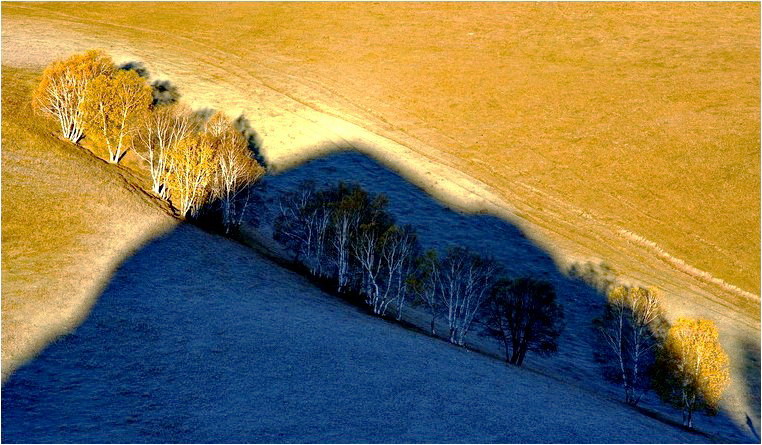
x=195, y=162
x=639, y=350
x=343, y=234
x=346, y=235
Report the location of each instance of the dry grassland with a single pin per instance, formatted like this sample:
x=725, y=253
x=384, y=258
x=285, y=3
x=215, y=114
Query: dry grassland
x=624, y=133
x=642, y=115
x=68, y=219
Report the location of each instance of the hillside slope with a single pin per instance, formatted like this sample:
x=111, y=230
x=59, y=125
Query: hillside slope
x=439, y=227
x=198, y=339
x=195, y=338
x=67, y=220
x=678, y=93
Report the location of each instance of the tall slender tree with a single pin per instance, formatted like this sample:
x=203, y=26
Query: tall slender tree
x=425, y=283
x=191, y=172
x=466, y=279
x=301, y=225
x=235, y=170
x=162, y=128
x=630, y=330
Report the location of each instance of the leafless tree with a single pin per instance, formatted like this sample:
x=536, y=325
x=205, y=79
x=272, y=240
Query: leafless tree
x=465, y=281
x=302, y=226
x=630, y=330
x=399, y=250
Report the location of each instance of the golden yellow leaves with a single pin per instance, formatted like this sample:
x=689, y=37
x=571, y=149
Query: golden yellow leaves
x=62, y=89
x=192, y=162
x=112, y=109
x=191, y=170
x=212, y=162
x=88, y=94
x=703, y=363
x=692, y=368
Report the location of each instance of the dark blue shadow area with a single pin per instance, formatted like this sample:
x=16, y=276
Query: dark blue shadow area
x=199, y=339
x=439, y=227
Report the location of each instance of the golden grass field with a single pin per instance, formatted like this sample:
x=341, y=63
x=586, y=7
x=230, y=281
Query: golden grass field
x=67, y=222
x=622, y=133
x=643, y=115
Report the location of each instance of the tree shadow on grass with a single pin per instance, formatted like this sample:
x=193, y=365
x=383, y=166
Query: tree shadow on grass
x=163, y=91
x=750, y=367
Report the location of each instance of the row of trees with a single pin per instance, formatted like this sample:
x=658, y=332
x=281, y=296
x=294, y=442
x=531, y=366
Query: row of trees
x=684, y=363
x=195, y=161
x=203, y=162
x=346, y=235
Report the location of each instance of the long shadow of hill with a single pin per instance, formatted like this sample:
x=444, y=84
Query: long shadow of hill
x=198, y=339
x=439, y=226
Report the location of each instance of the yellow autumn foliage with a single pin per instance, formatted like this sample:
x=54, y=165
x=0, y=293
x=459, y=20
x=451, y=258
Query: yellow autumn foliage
x=112, y=110
x=158, y=132
x=695, y=369
x=191, y=172
x=62, y=89
x=235, y=168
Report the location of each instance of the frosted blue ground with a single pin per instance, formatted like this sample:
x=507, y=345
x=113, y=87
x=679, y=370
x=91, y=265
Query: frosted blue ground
x=440, y=227
x=198, y=339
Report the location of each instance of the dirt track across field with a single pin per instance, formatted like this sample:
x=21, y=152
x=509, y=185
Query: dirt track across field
x=304, y=115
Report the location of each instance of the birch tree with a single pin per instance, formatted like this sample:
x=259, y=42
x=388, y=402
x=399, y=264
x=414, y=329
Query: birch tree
x=351, y=207
x=465, y=280
x=235, y=170
x=162, y=128
x=367, y=250
x=399, y=251
x=191, y=172
x=692, y=369
x=630, y=331
x=62, y=89
x=345, y=221
x=112, y=109
x=217, y=125
x=385, y=255
x=425, y=284
x=290, y=225
x=524, y=315
x=301, y=225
